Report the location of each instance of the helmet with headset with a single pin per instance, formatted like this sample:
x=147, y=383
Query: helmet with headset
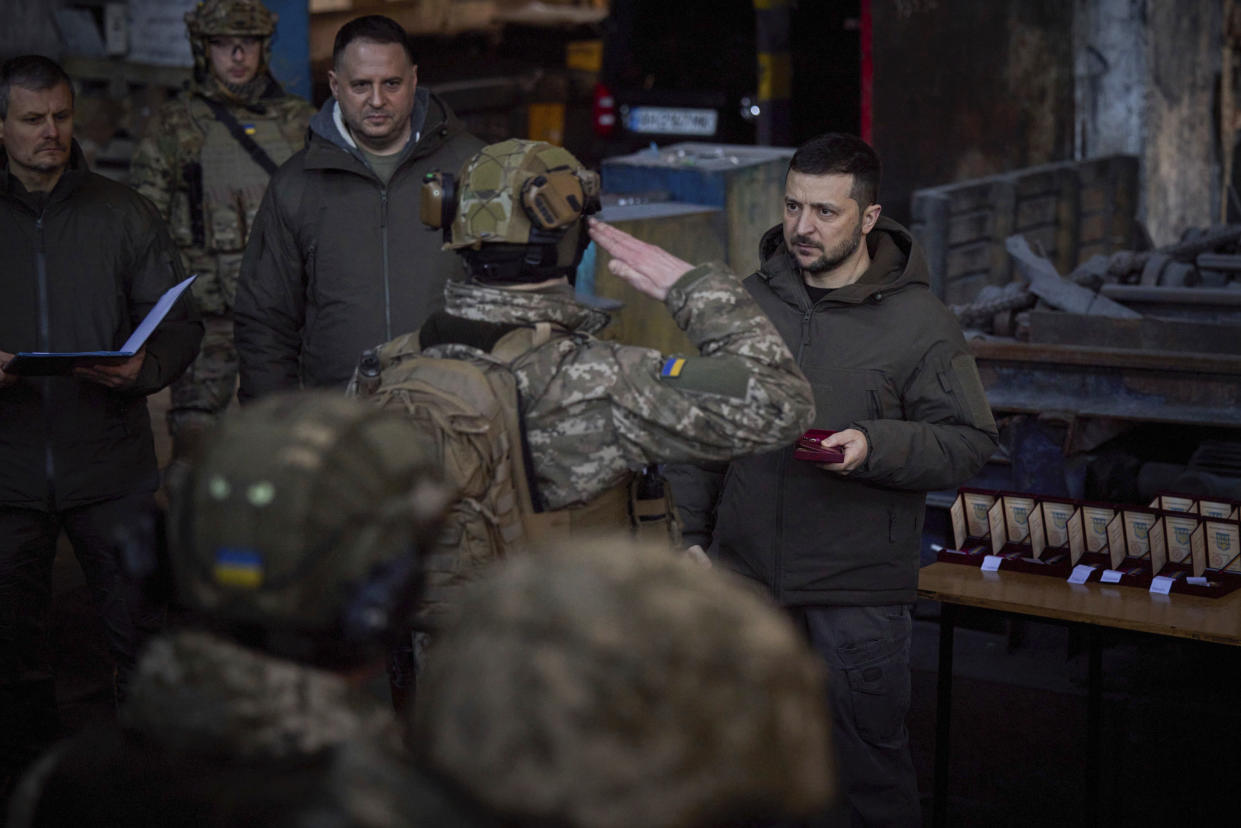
x=299, y=527
x=514, y=211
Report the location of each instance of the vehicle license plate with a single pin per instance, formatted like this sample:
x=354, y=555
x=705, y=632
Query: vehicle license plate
x=667, y=120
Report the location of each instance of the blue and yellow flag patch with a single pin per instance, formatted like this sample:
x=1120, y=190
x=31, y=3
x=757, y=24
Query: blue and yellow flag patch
x=238, y=567
x=249, y=128
x=673, y=367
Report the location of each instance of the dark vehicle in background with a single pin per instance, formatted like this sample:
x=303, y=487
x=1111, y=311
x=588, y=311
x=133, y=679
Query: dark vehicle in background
x=676, y=71
x=687, y=70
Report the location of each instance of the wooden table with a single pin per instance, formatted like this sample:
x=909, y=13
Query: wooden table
x=1095, y=606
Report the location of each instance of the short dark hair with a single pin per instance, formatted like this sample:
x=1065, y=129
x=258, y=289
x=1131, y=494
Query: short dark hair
x=842, y=154
x=30, y=72
x=374, y=28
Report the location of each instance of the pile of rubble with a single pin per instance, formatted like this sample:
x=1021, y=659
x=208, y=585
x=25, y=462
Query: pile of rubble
x=1196, y=279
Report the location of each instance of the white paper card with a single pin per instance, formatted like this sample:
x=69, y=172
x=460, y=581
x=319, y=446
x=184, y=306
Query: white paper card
x=991, y=563
x=1161, y=585
x=1080, y=573
x=1111, y=576
x=1197, y=580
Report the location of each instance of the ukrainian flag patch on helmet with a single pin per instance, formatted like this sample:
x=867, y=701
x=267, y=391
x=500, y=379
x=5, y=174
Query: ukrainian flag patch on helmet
x=673, y=367
x=238, y=567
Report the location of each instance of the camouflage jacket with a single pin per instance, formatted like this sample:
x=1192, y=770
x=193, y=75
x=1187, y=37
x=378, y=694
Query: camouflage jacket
x=207, y=186
x=594, y=410
x=217, y=734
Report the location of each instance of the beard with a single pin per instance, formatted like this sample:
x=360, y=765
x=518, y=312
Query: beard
x=834, y=257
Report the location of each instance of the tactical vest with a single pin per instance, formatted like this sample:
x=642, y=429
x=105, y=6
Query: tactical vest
x=471, y=418
x=223, y=187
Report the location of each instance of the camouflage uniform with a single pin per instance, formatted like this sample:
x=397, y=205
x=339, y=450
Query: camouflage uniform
x=217, y=734
x=602, y=685
x=294, y=538
x=208, y=188
x=594, y=411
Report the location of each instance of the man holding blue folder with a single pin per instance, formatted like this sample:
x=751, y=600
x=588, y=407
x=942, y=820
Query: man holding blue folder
x=83, y=260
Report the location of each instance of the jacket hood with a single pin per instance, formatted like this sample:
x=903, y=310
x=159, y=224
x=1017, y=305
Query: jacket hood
x=896, y=262
x=196, y=692
x=328, y=126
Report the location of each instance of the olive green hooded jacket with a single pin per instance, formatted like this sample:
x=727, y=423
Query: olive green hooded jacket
x=884, y=356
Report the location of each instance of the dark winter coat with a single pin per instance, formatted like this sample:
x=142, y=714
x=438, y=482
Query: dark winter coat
x=79, y=269
x=884, y=356
x=339, y=262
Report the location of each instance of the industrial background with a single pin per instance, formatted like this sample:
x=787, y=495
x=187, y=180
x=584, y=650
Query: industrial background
x=1069, y=166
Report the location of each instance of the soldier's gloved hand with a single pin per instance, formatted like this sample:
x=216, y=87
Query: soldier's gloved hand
x=697, y=555
x=6, y=379
x=649, y=268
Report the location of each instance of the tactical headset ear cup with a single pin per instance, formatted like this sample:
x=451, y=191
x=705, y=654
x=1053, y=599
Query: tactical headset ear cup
x=448, y=202
x=553, y=200
x=438, y=204
x=382, y=605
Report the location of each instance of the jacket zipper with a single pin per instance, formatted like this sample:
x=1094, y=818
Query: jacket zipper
x=778, y=574
x=45, y=344
x=383, y=237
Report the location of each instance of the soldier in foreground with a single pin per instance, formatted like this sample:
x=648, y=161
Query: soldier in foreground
x=205, y=161
x=602, y=685
x=295, y=543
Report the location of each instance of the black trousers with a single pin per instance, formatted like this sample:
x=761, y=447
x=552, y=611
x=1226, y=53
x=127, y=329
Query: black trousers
x=28, y=537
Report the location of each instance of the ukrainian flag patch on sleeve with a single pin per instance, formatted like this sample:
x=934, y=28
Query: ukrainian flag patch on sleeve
x=249, y=129
x=673, y=367
x=238, y=567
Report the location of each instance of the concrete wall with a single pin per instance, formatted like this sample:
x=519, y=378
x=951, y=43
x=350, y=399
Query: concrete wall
x=1146, y=78
x=28, y=26
x=1181, y=168
x=969, y=88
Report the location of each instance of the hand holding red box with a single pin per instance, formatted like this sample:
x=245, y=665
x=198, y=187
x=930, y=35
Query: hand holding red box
x=810, y=448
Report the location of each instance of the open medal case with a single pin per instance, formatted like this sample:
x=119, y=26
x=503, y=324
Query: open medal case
x=1185, y=544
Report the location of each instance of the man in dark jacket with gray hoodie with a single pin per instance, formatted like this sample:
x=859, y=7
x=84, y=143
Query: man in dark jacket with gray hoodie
x=84, y=260
x=838, y=543
x=338, y=258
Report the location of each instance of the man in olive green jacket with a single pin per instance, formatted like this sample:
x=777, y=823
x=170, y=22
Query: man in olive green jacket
x=338, y=259
x=838, y=543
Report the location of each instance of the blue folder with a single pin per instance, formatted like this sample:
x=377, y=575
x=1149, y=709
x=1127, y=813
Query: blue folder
x=44, y=363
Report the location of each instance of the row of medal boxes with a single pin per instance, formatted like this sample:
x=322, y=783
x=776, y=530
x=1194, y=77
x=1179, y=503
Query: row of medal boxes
x=1182, y=543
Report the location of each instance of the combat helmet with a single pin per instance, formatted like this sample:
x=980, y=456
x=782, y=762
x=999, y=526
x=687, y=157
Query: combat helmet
x=236, y=18
x=298, y=528
x=625, y=687
x=514, y=211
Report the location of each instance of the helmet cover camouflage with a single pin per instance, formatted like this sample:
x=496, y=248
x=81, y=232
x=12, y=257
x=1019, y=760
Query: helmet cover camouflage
x=239, y=18
x=230, y=17
x=605, y=684
x=489, y=197
x=295, y=507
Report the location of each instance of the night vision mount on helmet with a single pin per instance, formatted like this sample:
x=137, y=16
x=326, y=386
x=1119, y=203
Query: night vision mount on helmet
x=514, y=211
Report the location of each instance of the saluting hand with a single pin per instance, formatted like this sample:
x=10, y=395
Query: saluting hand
x=648, y=268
